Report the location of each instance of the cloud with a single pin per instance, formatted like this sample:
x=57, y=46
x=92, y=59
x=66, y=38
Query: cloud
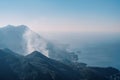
x=35, y=43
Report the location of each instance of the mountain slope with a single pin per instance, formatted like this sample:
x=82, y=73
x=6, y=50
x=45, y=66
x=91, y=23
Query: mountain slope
x=23, y=41
x=36, y=66
x=5, y=69
x=56, y=70
x=33, y=67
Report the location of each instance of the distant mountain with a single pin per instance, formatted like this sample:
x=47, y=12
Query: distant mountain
x=23, y=41
x=36, y=66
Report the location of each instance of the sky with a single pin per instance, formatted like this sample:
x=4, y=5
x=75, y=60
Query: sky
x=62, y=15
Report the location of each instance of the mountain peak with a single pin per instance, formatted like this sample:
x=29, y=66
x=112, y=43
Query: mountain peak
x=36, y=54
x=8, y=26
x=24, y=27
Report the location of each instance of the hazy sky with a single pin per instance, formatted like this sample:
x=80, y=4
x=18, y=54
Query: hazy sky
x=62, y=15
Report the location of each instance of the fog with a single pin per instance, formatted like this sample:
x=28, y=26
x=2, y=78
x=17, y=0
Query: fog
x=95, y=48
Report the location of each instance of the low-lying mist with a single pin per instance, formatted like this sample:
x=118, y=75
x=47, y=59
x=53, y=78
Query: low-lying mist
x=95, y=48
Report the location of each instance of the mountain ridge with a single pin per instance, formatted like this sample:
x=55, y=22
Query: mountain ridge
x=34, y=67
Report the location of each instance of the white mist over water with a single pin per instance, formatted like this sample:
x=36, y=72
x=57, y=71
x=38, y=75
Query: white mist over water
x=96, y=49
